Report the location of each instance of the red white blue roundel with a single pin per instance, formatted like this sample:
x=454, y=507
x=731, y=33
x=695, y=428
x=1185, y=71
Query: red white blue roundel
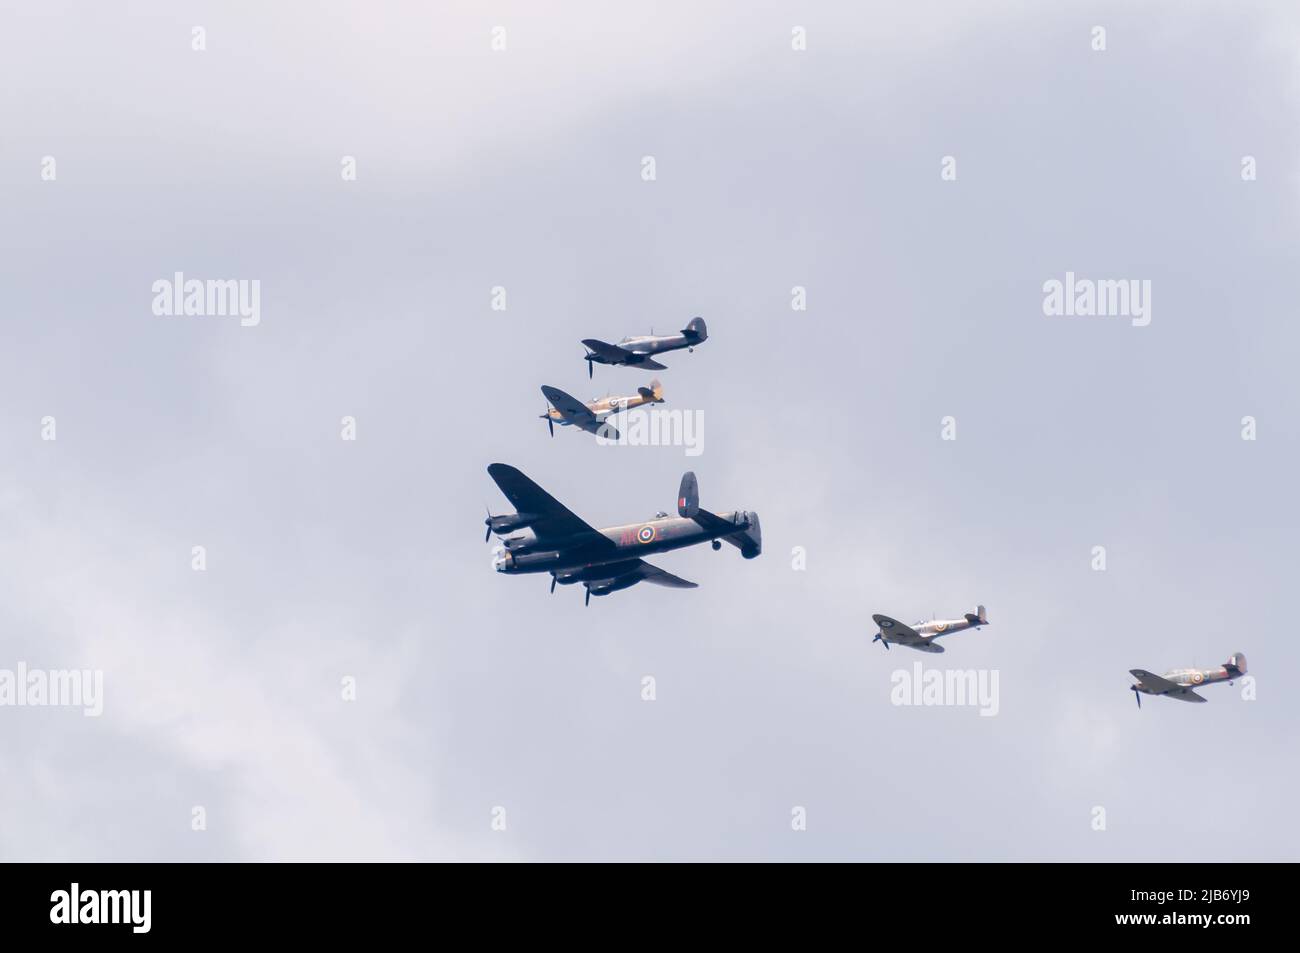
x=645, y=534
x=887, y=624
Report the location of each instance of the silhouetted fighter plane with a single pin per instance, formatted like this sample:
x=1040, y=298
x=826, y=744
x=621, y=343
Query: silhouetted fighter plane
x=606, y=560
x=636, y=352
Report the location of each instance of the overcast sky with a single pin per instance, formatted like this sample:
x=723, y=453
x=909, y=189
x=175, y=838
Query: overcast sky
x=522, y=168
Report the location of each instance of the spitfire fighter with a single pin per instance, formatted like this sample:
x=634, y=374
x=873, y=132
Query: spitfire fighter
x=637, y=352
x=554, y=540
x=591, y=416
x=1180, y=682
x=921, y=635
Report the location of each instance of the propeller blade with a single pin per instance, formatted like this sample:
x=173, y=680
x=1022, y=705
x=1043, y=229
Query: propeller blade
x=587, y=601
x=591, y=368
x=488, y=522
x=553, y=581
x=1138, y=695
x=551, y=424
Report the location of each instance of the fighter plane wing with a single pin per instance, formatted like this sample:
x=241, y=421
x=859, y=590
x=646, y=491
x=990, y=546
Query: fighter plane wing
x=610, y=353
x=608, y=431
x=571, y=409
x=1184, y=694
x=898, y=633
x=644, y=361
x=1154, y=683
x=579, y=414
x=924, y=646
x=555, y=523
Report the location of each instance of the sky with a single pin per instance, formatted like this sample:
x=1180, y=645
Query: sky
x=348, y=679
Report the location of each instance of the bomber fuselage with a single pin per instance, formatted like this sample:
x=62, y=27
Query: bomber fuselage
x=631, y=541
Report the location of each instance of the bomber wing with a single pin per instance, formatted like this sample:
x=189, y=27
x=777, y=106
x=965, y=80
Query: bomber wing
x=555, y=524
x=632, y=571
x=657, y=576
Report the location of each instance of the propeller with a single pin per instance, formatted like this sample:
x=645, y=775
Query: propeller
x=587, y=601
x=1138, y=695
x=553, y=581
x=591, y=367
x=879, y=639
x=488, y=523
x=550, y=422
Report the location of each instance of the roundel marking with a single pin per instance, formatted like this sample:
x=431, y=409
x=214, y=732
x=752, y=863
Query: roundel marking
x=645, y=534
x=887, y=624
x=1198, y=678
x=941, y=627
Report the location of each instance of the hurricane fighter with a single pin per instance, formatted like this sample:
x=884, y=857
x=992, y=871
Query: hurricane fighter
x=639, y=351
x=1179, y=682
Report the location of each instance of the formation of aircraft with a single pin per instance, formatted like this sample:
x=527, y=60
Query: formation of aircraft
x=922, y=635
x=542, y=535
x=639, y=351
x=1179, y=682
x=591, y=416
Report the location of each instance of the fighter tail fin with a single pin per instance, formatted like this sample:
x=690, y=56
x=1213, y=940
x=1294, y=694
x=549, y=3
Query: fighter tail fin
x=655, y=392
x=696, y=331
x=1236, y=663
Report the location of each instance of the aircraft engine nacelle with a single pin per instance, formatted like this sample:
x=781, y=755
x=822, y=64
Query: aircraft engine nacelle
x=568, y=578
x=522, y=541
x=603, y=587
x=510, y=522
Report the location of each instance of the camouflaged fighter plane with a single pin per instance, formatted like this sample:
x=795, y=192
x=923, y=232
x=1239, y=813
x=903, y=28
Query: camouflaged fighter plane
x=921, y=635
x=636, y=352
x=605, y=560
x=566, y=411
x=1180, y=682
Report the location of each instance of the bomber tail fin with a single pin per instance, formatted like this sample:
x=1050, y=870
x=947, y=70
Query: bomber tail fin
x=688, y=496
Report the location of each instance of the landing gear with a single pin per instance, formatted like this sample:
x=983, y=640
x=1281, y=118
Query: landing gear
x=716, y=544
